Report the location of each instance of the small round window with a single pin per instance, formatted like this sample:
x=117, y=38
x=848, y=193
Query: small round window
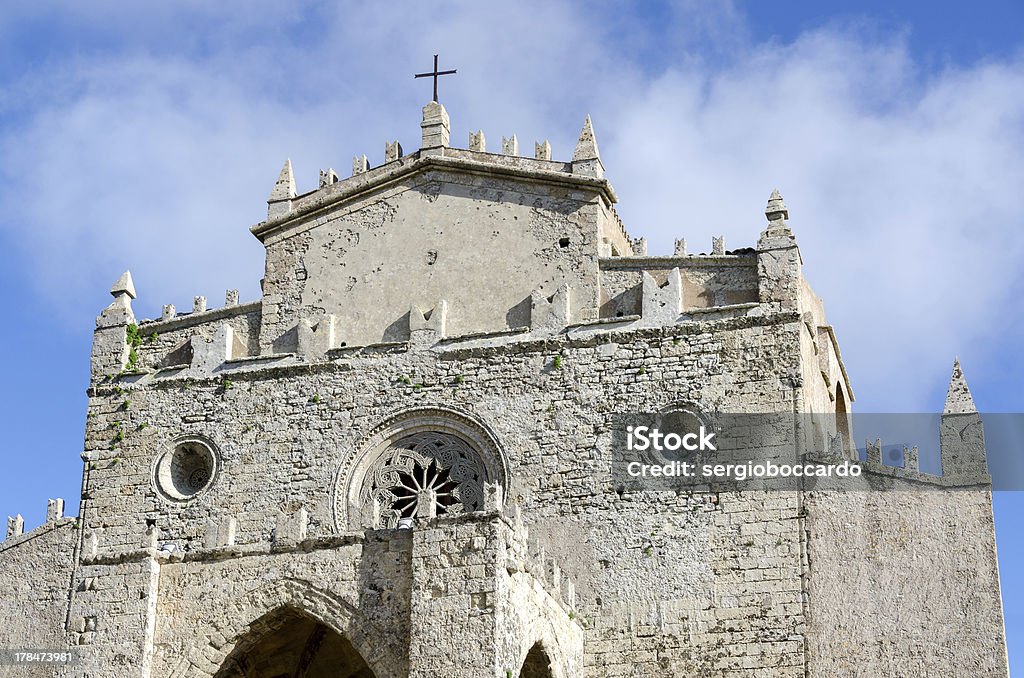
x=186, y=469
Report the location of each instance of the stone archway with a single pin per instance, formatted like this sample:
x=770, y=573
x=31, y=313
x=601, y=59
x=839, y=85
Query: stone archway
x=537, y=664
x=286, y=643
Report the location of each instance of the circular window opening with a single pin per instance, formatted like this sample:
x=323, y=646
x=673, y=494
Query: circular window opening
x=422, y=475
x=185, y=470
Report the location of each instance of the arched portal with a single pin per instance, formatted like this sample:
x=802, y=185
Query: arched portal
x=537, y=664
x=289, y=644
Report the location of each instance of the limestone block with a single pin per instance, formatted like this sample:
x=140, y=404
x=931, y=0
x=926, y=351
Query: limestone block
x=90, y=544
x=874, y=451
x=110, y=351
x=639, y=246
x=542, y=150
x=962, y=448
x=510, y=145
x=360, y=164
x=586, y=160
x=168, y=312
x=436, y=128
x=54, y=510
x=661, y=304
x=284, y=187
x=124, y=285
x=151, y=537
x=426, y=328
x=290, y=527
x=426, y=504
x=493, y=497
x=209, y=355
x=958, y=396
x=776, y=209
x=550, y=314
x=392, y=151
x=911, y=459
x=280, y=201
x=680, y=247
x=718, y=245
x=15, y=526
x=778, y=260
x=315, y=341
x=220, y=532
x=199, y=305
x=231, y=298
x=327, y=177
x=477, y=141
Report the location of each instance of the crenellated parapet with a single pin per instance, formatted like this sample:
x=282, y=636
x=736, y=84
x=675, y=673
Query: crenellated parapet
x=201, y=340
x=585, y=165
x=16, y=533
x=962, y=453
x=360, y=263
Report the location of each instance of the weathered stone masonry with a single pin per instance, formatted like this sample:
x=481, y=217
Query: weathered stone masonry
x=396, y=462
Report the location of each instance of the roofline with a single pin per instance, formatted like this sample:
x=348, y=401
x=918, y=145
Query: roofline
x=275, y=225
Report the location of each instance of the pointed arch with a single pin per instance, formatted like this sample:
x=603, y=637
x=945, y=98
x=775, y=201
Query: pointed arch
x=290, y=642
x=260, y=609
x=538, y=664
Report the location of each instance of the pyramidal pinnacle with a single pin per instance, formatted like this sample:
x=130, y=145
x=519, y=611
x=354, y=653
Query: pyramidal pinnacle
x=284, y=188
x=586, y=147
x=958, y=397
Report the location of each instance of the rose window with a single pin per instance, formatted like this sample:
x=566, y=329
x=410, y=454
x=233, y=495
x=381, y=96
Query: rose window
x=422, y=476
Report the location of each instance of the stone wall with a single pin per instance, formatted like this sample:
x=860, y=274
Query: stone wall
x=903, y=582
x=283, y=433
x=35, y=577
x=707, y=281
x=359, y=585
x=171, y=343
x=476, y=296
x=483, y=244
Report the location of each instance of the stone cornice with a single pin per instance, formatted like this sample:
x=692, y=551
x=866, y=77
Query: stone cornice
x=310, y=204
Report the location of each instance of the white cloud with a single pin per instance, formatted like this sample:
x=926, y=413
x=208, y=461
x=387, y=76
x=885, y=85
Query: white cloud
x=902, y=189
x=902, y=185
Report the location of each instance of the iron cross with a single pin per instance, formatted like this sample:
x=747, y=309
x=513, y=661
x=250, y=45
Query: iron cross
x=434, y=75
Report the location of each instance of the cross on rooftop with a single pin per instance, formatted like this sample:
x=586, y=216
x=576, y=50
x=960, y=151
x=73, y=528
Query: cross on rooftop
x=434, y=74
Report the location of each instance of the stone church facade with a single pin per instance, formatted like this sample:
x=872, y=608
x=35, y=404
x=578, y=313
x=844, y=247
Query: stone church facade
x=396, y=462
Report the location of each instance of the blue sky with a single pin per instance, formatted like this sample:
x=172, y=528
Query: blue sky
x=148, y=138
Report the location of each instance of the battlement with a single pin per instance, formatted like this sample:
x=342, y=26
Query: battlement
x=962, y=453
x=584, y=170
x=529, y=555
x=635, y=290
x=450, y=244
x=523, y=555
x=55, y=518
x=171, y=318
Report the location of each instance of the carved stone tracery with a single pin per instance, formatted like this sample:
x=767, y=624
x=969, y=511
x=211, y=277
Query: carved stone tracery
x=422, y=475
